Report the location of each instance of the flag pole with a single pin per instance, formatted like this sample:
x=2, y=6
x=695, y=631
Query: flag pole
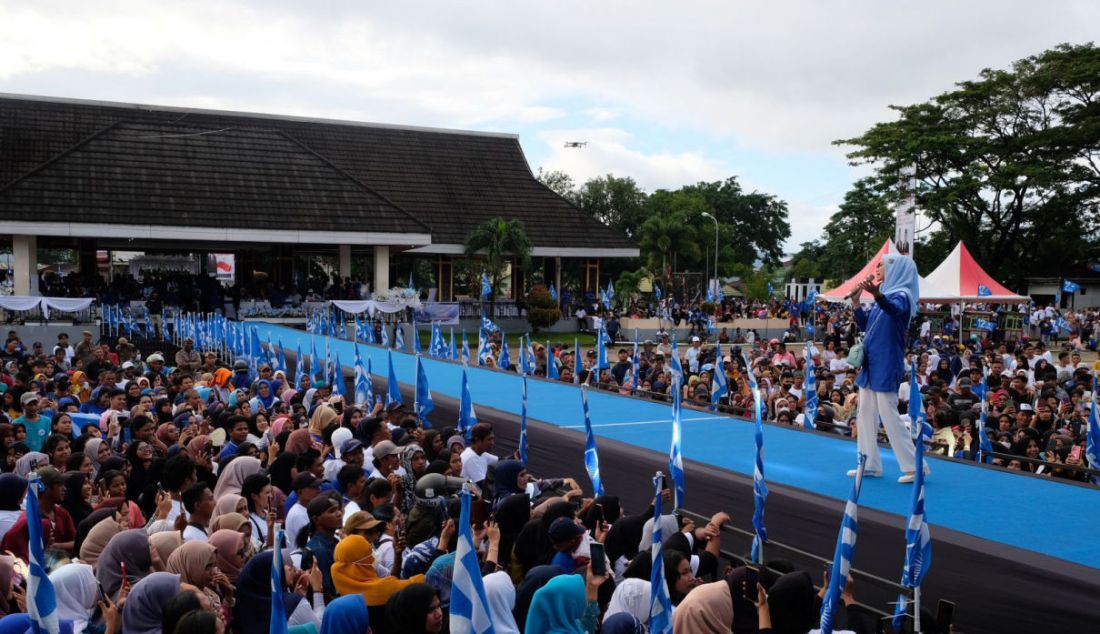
x=916, y=609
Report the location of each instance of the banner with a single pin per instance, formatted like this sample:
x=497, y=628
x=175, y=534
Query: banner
x=444, y=313
x=225, y=266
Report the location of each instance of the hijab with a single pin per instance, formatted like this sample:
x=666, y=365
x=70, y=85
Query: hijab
x=511, y=516
x=234, y=474
x=189, y=561
x=624, y=536
x=348, y=615
x=557, y=607
x=611, y=511
x=791, y=599
x=322, y=417
x=501, y=593
x=631, y=597
x=353, y=572
x=196, y=447
x=229, y=521
x=708, y=609
x=507, y=474
x=74, y=501
x=622, y=623
x=299, y=441
x=535, y=579
x=91, y=449
x=226, y=504
x=130, y=547
x=143, y=611
x=23, y=465
x=228, y=545
x=533, y=545
x=407, y=610
x=75, y=589
x=98, y=529
x=166, y=543
x=271, y=397
x=901, y=277
x=13, y=488
x=252, y=610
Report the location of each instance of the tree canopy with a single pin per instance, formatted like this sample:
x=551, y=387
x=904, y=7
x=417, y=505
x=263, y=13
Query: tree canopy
x=496, y=240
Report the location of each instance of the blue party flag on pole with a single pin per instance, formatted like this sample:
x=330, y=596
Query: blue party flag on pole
x=845, y=550
x=423, y=404
x=918, y=538
x=553, y=292
x=601, y=353
x=635, y=367
x=1070, y=287
x=657, y=291
x=41, y=599
x=523, y=365
x=416, y=340
x=660, y=604
x=453, y=350
x=339, y=386
x=299, y=367
x=675, y=454
x=759, y=485
x=523, y=425
x=1092, y=436
x=719, y=382
x=282, y=358
x=486, y=287
x=399, y=338
x=385, y=336
x=674, y=362
x=505, y=360
x=530, y=354
x=578, y=367
x=343, y=324
x=362, y=382
x=465, y=349
x=551, y=364
x=393, y=389
x=488, y=326
x=591, y=457
x=484, y=351
x=314, y=361
x=469, y=611
x=467, y=417
x=985, y=447
x=809, y=417
x=984, y=291
x=369, y=327
x=278, y=609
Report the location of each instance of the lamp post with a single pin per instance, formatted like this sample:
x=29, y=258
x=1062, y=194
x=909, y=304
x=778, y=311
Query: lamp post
x=707, y=215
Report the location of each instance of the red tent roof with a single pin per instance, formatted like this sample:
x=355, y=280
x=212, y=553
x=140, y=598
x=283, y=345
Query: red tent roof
x=960, y=275
x=841, y=292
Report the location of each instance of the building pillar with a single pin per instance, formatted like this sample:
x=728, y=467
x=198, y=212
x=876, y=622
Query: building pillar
x=345, y=261
x=25, y=262
x=557, y=275
x=381, y=269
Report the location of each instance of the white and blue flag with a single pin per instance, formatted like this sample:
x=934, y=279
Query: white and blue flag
x=675, y=454
x=505, y=360
x=918, y=539
x=467, y=417
x=591, y=456
x=363, y=388
x=523, y=425
x=719, y=382
x=393, y=389
x=660, y=603
x=423, y=404
x=486, y=287
x=399, y=338
x=1092, y=436
x=845, y=551
x=1070, y=287
x=809, y=417
x=469, y=604
x=41, y=599
x=278, y=609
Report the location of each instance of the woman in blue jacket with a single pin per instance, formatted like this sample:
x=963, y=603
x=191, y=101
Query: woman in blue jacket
x=896, y=291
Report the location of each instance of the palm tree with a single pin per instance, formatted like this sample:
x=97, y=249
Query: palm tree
x=661, y=236
x=496, y=240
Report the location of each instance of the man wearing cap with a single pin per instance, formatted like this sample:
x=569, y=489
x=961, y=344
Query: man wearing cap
x=37, y=425
x=622, y=366
x=155, y=362
x=964, y=399
x=566, y=535
x=387, y=460
x=692, y=355
x=83, y=349
x=187, y=358
x=307, y=486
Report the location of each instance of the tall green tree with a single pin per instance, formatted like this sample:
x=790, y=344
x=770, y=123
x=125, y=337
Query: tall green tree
x=663, y=236
x=497, y=240
x=757, y=222
x=856, y=232
x=617, y=202
x=558, y=182
x=1008, y=163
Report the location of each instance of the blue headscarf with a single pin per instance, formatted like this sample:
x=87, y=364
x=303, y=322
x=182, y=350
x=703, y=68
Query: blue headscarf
x=345, y=615
x=901, y=277
x=557, y=607
x=622, y=623
x=271, y=398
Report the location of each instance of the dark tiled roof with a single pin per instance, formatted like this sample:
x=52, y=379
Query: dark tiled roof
x=449, y=181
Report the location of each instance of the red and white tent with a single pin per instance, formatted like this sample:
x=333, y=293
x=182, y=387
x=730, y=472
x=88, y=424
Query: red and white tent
x=960, y=275
x=928, y=291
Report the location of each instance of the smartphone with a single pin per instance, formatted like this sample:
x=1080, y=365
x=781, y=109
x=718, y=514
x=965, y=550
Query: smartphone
x=307, y=559
x=599, y=514
x=102, y=594
x=945, y=615
x=599, y=560
x=752, y=577
x=126, y=434
x=479, y=512
x=1075, y=453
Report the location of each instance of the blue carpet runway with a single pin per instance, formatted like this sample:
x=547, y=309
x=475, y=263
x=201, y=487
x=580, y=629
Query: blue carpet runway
x=1030, y=513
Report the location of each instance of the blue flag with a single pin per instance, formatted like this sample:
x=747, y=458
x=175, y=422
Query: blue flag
x=488, y=325
x=984, y=291
x=551, y=364
x=523, y=425
x=453, y=350
x=845, y=550
x=674, y=363
x=918, y=539
x=314, y=362
x=530, y=348
x=635, y=366
x=41, y=599
x=467, y=417
x=675, y=454
x=299, y=367
x=393, y=389
x=486, y=287
x=416, y=340
x=660, y=604
x=591, y=457
x=759, y=485
x=399, y=338
x=423, y=404
x=578, y=367
x=278, y=611
x=470, y=612
x=601, y=353
x=385, y=336
x=710, y=294
x=369, y=328
x=809, y=417
x=985, y=447
x=719, y=382
x=363, y=388
x=339, y=386
x=282, y=358
x=1070, y=287
x=771, y=291
x=657, y=291
x=505, y=360
x=553, y=292
x=465, y=349
x=984, y=324
x=1092, y=437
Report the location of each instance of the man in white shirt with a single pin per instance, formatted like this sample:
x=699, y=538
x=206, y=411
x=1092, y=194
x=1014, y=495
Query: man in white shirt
x=198, y=501
x=692, y=355
x=387, y=459
x=476, y=458
x=307, y=486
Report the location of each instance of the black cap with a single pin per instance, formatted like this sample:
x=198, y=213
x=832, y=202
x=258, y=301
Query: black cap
x=304, y=481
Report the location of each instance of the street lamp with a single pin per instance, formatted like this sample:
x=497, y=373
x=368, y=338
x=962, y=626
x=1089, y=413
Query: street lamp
x=707, y=215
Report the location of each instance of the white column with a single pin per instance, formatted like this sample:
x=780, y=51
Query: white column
x=345, y=260
x=381, y=268
x=25, y=261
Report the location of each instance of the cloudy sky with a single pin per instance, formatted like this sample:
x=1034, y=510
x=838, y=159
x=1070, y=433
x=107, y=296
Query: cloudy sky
x=666, y=92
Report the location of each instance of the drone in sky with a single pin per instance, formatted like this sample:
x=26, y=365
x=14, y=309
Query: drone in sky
x=575, y=144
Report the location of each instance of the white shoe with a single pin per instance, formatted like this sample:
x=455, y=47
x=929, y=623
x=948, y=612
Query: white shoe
x=867, y=474
x=907, y=478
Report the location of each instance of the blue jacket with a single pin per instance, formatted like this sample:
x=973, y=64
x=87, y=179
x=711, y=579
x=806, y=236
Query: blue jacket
x=884, y=346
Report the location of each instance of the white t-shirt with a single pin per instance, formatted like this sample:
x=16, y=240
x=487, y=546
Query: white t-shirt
x=296, y=519
x=194, y=533
x=259, y=531
x=383, y=557
x=475, y=467
x=174, y=512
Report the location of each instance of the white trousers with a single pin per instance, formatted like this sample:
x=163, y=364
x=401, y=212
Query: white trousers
x=873, y=405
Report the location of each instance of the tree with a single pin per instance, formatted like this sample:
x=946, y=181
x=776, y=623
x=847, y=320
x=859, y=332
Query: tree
x=1008, y=163
x=496, y=240
x=757, y=222
x=856, y=232
x=617, y=202
x=542, y=310
x=809, y=262
x=663, y=235
x=559, y=182
x=628, y=286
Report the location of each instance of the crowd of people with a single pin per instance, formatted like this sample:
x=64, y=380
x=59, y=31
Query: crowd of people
x=162, y=484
